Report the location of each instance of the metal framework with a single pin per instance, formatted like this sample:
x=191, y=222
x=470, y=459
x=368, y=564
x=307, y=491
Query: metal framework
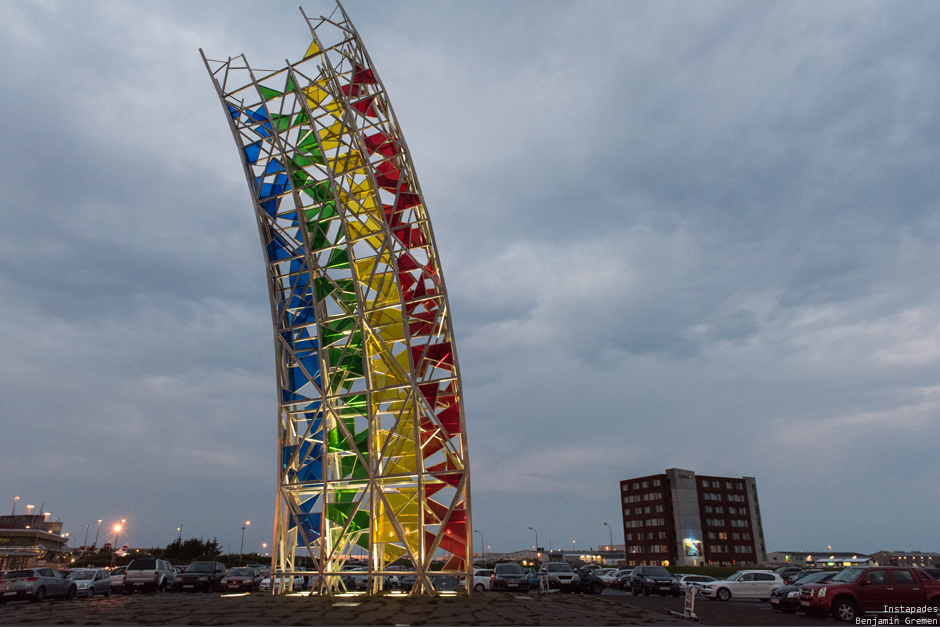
x=372, y=450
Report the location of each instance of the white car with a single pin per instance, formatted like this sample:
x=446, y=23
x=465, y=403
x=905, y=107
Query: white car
x=744, y=584
x=265, y=585
x=610, y=576
x=687, y=581
x=481, y=579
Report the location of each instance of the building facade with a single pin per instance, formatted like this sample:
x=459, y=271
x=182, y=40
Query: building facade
x=678, y=518
x=906, y=558
x=29, y=540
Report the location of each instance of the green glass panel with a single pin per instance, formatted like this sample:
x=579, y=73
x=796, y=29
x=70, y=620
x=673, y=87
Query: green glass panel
x=363, y=540
x=323, y=287
x=339, y=258
x=282, y=122
x=360, y=523
x=301, y=118
x=290, y=86
x=268, y=93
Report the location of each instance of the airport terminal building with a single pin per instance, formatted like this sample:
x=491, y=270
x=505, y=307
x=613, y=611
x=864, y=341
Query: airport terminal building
x=680, y=519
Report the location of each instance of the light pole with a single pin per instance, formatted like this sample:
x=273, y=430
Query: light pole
x=537, y=554
x=85, y=544
x=482, y=545
x=29, y=509
x=241, y=549
x=179, y=532
x=97, y=531
x=15, y=499
x=117, y=532
x=611, y=536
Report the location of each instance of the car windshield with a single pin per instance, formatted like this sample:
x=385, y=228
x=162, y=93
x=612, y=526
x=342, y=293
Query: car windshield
x=559, y=567
x=810, y=578
x=508, y=569
x=848, y=575
x=655, y=571
x=203, y=567
x=142, y=565
x=82, y=574
x=239, y=572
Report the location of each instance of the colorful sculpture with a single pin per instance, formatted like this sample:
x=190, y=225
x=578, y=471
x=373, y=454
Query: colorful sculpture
x=372, y=458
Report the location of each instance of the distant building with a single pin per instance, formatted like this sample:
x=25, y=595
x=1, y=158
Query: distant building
x=28, y=540
x=910, y=558
x=679, y=519
x=819, y=559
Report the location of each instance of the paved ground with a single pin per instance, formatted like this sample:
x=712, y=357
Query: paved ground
x=491, y=608
x=718, y=612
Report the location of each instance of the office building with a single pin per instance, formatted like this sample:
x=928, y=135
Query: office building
x=678, y=518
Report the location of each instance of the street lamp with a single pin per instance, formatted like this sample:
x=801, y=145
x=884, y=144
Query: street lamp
x=482, y=545
x=179, y=532
x=611, y=536
x=29, y=509
x=117, y=532
x=537, y=554
x=241, y=549
x=85, y=544
x=15, y=499
x=96, y=533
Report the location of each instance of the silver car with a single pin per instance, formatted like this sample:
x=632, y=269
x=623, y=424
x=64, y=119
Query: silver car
x=36, y=584
x=92, y=581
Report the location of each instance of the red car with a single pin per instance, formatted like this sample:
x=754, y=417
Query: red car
x=244, y=579
x=879, y=590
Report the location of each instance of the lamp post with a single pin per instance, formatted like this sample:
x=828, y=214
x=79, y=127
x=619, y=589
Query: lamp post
x=179, y=532
x=611, y=536
x=537, y=554
x=482, y=545
x=97, y=531
x=29, y=509
x=15, y=499
x=117, y=532
x=241, y=549
x=85, y=543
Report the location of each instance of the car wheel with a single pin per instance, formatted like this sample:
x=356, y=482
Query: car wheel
x=71, y=594
x=479, y=587
x=107, y=592
x=91, y=592
x=39, y=595
x=162, y=586
x=724, y=594
x=596, y=588
x=845, y=609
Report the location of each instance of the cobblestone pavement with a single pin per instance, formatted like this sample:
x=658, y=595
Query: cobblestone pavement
x=490, y=608
x=717, y=612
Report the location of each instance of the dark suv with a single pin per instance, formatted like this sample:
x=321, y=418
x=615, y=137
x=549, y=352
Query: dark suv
x=646, y=579
x=509, y=576
x=203, y=576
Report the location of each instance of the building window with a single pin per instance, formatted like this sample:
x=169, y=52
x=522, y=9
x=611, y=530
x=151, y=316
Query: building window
x=711, y=535
x=659, y=508
x=656, y=483
x=722, y=536
x=636, y=486
x=728, y=485
x=746, y=536
x=646, y=510
x=739, y=485
x=646, y=484
x=715, y=522
x=628, y=537
x=662, y=535
x=735, y=536
x=709, y=509
x=719, y=510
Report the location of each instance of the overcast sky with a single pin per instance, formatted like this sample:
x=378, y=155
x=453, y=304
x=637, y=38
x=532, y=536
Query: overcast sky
x=696, y=235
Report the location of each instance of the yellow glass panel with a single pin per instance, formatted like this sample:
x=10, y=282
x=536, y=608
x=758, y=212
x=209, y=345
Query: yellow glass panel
x=316, y=94
x=346, y=162
x=312, y=50
x=393, y=552
x=363, y=189
x=364, y=206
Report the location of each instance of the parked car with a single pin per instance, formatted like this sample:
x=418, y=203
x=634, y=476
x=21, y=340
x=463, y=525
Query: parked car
x=560, y=576
x=241, y=579
x=787, y=598
x=788, y=572
x=590, y=581
x=744, y=584
x=624, y=581
x=611, y=577
x=481, y=579
x=508, y=577
x=91, y=581
x=201, y=576
x=446, y=582
x=265, y=585
x=857, y=590
x=36, y=584
x=647, y=579
x=117, y=579
x=148, y=574
x=803, y=573
x=686, y=581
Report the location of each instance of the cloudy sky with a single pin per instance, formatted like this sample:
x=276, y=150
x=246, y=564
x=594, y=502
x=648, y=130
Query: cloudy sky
x=697, y=235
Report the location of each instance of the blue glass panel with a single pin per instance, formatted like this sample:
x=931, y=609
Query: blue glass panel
x=252, y=151
x=233, y=112
x=261, y=115
x=270, y=206
x=274, y=166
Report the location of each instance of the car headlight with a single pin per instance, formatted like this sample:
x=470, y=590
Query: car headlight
x=648, y=580
x=821, y=593
x=793, y=594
